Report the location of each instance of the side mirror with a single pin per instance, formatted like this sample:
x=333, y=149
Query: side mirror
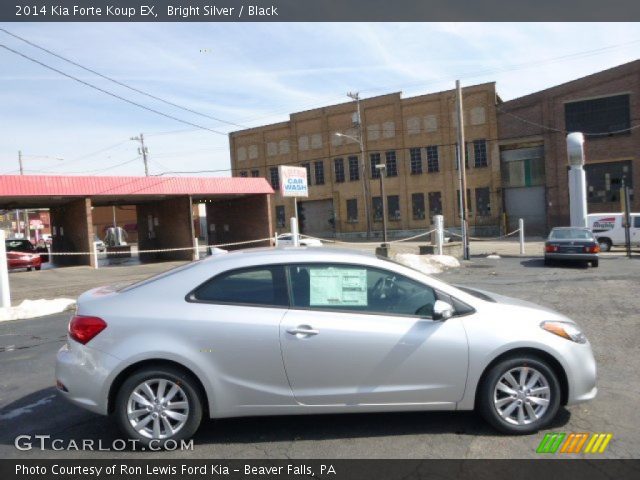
x=442, y=310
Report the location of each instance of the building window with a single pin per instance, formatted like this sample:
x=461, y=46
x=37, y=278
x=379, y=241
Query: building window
x=522, y=167
x=608, y=115
x=354, y=172
x=352, y=210
x=275, y=178
x=308, y=167
x=376, y=203
x=416, y=161
x=469, y=206
x=244, y=173
x=281, y=218
x=604, y=181
x=338, y=164
x=466, y=156
x=433, y=162
x=480, y=153
x=435, y=204
x=255, y=173
x=393, y=207
x=392, y=164
x=483, y=202
x=375, y=160
x=319, y=171
x=417, y=206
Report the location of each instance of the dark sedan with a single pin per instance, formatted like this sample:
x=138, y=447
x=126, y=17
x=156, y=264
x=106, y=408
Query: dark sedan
x=572, y=244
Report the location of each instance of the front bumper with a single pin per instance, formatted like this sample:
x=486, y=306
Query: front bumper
x=84, y=372
x=580, y=367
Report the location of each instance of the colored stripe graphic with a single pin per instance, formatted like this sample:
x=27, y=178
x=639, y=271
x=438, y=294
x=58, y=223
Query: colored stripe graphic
x=550, y=443
x=558, y=442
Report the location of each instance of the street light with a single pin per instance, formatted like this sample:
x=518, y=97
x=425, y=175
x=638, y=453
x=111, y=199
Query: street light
x=382, y=168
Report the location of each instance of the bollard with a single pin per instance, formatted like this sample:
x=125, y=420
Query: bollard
x=196, y=249
x=521, y=228
x=5, y=294
x=439, y=224
x=294, y=232
x=275, y=239
x=95, y=255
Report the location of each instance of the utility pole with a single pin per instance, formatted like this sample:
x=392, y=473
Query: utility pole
x=26, y=212
x=144, y=151
x=462, y=174
x=365, y=183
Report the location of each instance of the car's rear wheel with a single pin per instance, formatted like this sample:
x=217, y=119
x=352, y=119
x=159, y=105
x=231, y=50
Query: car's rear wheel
x=594, y=263
x=519, y=395
x=157, y=405
x=39, y=267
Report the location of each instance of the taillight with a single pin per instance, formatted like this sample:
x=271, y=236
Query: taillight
x=592, y=249
x=551, y=248
x=82, y=329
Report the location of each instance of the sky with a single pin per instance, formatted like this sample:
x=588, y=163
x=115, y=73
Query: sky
x=253, y=74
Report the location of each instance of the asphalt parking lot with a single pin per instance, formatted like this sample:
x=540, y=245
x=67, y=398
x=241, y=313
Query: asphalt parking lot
x=604, y=300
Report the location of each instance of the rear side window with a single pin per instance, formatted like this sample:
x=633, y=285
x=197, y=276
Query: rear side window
x=266, y=286
x=18, y=246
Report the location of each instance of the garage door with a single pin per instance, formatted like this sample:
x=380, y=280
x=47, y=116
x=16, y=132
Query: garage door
x=528, y=203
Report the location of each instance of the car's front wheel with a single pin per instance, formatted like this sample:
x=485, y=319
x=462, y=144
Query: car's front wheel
x=519, y=395
x=158, y=404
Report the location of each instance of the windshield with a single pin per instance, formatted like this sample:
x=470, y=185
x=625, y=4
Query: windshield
x=573, y=233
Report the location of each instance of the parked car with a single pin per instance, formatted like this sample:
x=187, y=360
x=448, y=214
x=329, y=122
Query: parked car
x=286, y=240
x=100, y=246
x=310, y=330
x=609, y=230
x=571, y=244
x=21, y=253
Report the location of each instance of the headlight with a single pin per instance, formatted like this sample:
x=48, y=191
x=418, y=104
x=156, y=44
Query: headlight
x=565, y=330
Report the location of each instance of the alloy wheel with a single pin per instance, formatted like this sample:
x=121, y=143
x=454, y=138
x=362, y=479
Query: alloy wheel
x=158, y=408
x=521, y=396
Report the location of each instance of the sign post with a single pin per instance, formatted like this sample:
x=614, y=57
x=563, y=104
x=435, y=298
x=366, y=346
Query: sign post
x=5, y=295
x=293, y=183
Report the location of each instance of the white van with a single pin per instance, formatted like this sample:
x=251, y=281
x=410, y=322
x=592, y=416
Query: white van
x=608, y=229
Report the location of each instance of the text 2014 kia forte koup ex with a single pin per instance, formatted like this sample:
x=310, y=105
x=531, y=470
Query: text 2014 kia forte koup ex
x=308, y=331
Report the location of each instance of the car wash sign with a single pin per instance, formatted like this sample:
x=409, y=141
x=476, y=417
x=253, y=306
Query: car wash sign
x=293, y=181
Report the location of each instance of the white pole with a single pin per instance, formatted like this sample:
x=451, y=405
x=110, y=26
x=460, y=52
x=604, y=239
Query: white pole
x=196, y=249
x=577, y=180
x=439, y=223
x=275, y=239
x=521, y=228
x=5, y=293
x=95, y=255
x=294, y=232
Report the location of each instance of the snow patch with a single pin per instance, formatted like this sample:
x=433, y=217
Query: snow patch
x=35, y=308
x=428, y=264
x=493, y=256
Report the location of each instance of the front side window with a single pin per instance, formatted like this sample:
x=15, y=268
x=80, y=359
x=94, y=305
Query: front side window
x=359, y=289
x=264, y=285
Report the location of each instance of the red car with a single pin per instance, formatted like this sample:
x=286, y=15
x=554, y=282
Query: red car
x=21, y=253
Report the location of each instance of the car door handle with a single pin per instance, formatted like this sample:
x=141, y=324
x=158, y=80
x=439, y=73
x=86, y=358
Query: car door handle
x=303, y=331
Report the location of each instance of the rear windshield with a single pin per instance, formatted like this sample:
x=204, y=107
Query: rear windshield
x=573, y=233
x=18, y=246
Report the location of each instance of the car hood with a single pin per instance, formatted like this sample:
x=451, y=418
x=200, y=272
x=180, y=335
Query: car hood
x=516, y=302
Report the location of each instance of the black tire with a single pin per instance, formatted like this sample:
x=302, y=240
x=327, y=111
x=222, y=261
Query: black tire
x=548, y=262
x=485, y=398
x=39, y=267
x=605, y=244
x=594, y=263
x=28, y=269
x=188, y=385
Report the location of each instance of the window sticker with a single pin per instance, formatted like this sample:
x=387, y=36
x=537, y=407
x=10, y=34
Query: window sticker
x=338, y=287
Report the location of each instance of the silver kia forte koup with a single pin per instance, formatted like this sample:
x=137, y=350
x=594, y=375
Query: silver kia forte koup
x=309, y=331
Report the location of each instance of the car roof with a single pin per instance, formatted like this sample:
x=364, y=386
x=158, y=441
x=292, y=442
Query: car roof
x=291, y=251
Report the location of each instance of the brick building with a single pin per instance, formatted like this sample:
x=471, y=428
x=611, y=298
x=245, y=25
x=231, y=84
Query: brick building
x=605, y=106
x=415, y=137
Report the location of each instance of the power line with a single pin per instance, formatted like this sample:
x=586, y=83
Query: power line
x=114, y=95
x=122, y=84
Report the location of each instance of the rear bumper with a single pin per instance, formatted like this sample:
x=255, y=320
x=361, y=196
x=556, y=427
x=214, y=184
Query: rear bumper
x=84, y=372
x=579, y=257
